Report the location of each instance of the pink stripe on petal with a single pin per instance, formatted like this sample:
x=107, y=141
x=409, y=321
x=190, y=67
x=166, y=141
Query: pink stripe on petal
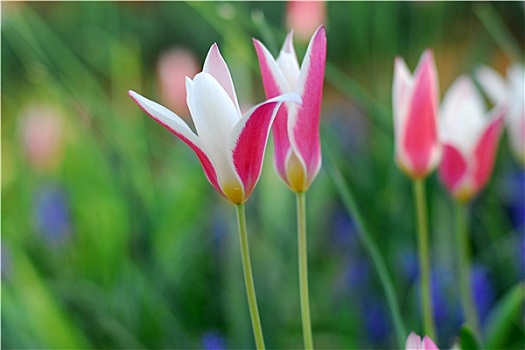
x=271, y=75
x=216, y=66
x=428, y=344
x=485, y=152
x=281, y=141
x=250, y=145
x=305, y=125
x=420, y=137
x=453, y=168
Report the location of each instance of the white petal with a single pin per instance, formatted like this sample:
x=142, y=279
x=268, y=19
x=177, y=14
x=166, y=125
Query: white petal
x=215, y=65
x=288, y=64
x=492, y=83
x=166, y=117
x=214, y=116
x=463, y=115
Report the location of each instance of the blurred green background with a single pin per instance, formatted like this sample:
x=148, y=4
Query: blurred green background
x=113, y=238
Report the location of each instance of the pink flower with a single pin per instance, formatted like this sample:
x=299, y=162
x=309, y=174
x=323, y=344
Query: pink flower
x=415, y=106
x=304, y=17
x=297, y=155
x=414, y=342
x=42, y=132
x=172, y=69
x=229, y=145
x=470, y=139
x=509, y=91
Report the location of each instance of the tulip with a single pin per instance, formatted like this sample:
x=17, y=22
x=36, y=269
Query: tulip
x=415, y=105
x=417, y=152
x=229, y=145
x=414, y=342
x=509, y=91
x=296, y=129
x=470, y=137
x=297, y=155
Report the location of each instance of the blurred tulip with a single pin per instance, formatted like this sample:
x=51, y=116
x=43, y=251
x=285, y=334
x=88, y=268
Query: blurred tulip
x=304, y=17
x=415, y=104
x=470, y=139
x=509, y=91
x=42, y=136
x=296, y=129
x=414, y=342
x=230, y=146
x=172, y=69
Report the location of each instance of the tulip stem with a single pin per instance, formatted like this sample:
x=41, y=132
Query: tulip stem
x=463, y=259
x=303, y=270
x=248, y=277
x=424, y=259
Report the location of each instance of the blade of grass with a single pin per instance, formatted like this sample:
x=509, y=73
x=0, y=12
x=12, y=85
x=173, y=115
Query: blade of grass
x=370, y=245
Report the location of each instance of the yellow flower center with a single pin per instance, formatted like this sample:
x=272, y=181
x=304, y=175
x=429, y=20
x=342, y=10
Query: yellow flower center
x=296, y=174
x=233, y=191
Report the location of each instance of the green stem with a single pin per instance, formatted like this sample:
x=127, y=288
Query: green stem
x=424, y=260
x=303, y=270
x=248, y=277
x=469, y=310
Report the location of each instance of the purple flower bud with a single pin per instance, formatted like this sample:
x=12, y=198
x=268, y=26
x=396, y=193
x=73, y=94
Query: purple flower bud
x=52, y=216
x=212, y=340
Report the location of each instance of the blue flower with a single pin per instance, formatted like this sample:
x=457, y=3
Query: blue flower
x=482, y=290
x=52, y=215
x=212, y=340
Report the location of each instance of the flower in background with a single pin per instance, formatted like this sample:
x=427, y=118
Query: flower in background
x=415, y=104
x=51, y=212
x=414, y=342
x=173, y=67
x=213, y=341
x=509, y=91
x=304, y=17
x=230, y=146
x=297, y=155
x=470, y=139
x=482, y=290
x=42, y=136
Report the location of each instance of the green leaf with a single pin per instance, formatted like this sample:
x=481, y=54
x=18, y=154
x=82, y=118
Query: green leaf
x=467, y=339
x=501, y=320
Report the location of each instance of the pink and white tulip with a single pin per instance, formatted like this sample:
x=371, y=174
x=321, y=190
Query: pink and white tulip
x=415, y=105
x=509, y=91
x=414, y=342
x=470, y=138
x=297, y=144
x=229, y=145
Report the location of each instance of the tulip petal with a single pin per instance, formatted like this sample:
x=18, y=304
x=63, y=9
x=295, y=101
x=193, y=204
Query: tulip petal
x=428, y=344
x=485, y=152
x=453, y=168
x=413, y=341
x=275, y=84
x=303, y=120
x=215, y=65
x=179, y=128
x=492, y=83
x=288, y=63
x=421, y=137
x=249, y=138
x=214, y=116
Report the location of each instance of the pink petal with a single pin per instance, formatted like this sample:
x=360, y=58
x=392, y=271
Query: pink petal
x=413, y=341
x=420, y=139
x=168, y=119
x=274, y=85
x=249, y=140
x=485, y=152
x=428, y=344
x=216, y=66
x=303, y=126
x=453, y=168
